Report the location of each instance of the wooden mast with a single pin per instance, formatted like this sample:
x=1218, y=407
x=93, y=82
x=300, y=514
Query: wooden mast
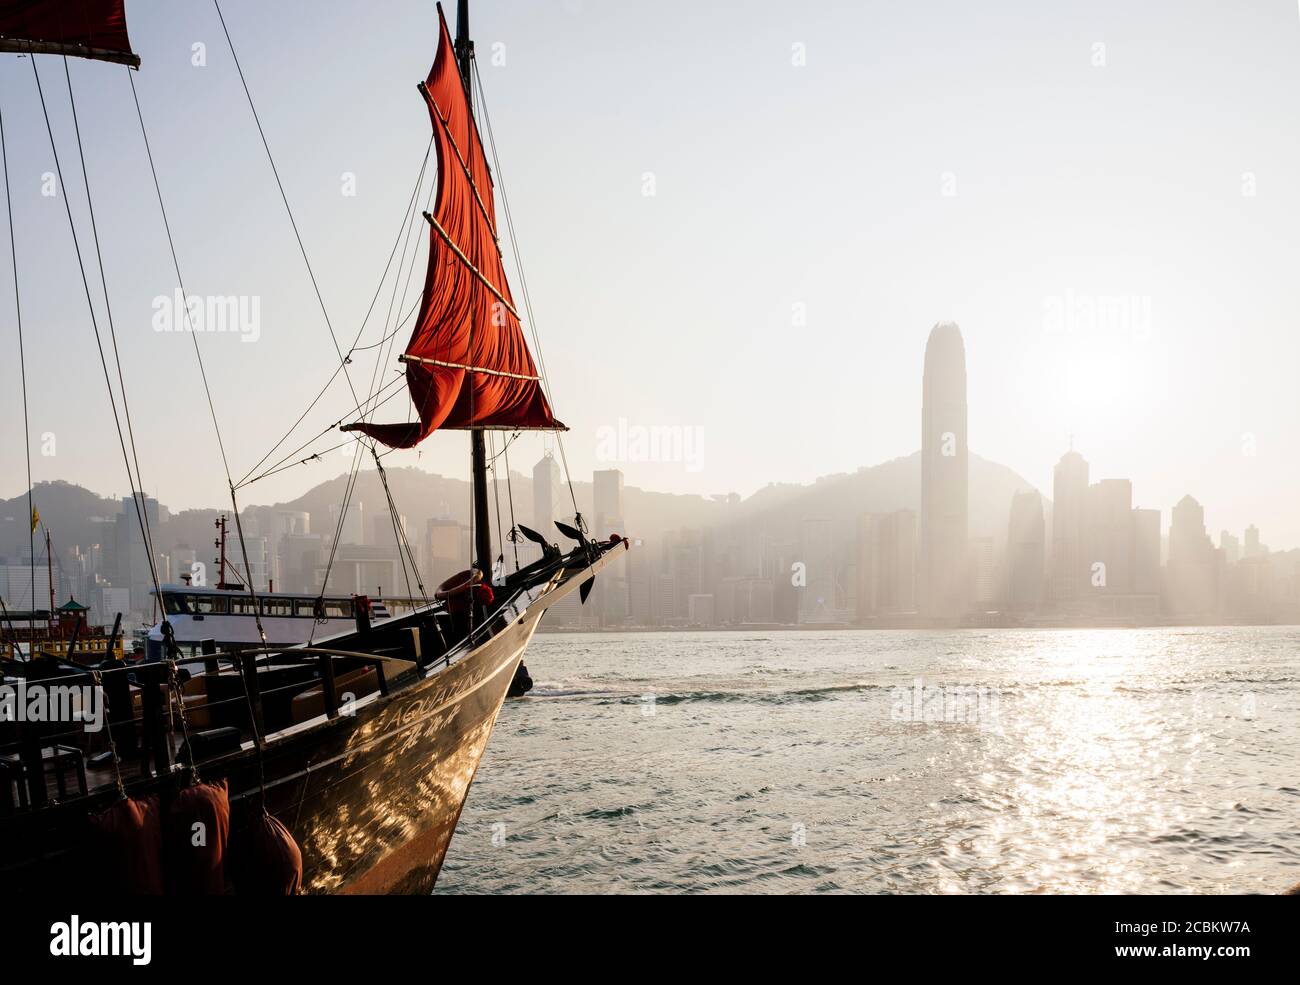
x=478, y=445
x=49, y=569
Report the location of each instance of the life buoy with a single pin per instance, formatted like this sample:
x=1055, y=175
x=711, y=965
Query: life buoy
x=458, y=584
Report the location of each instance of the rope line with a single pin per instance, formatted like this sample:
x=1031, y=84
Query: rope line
x=94, y=323
x=523, y=281
x=22, y=367
x=180, y=281
x=510, y=498
x=108, y=311
x=407, y=222
x=285, y=198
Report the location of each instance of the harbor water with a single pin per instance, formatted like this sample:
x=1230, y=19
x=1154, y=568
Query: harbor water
x=1005, y=761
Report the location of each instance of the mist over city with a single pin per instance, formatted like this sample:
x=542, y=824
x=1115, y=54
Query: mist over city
x=586, y=447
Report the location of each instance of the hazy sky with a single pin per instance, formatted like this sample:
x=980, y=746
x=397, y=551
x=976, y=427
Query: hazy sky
x=829, y=180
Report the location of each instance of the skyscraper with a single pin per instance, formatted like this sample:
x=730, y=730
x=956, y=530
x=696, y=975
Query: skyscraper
x=1253, y=547
x=546, y=479
x=886, y=564
x=817, y=596
x=607, y=502
x=1146, y=552
x=611, y=601
x=132, y=555
x=1069, y=561
x=943, y=578
x=1193, y=584
x=444, y=551
x=352, y=529
x=1025, y=552
x=1230, y=546
x=983, y=572
x=1108, y=522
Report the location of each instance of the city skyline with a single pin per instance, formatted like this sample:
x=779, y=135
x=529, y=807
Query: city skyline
x=919, y=563
x=872, y=423
x=1091, y=316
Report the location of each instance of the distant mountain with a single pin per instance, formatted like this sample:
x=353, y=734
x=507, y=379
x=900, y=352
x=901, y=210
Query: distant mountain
x=420, y=496
x=894, y=485
x=77, y=515
x=74, y=515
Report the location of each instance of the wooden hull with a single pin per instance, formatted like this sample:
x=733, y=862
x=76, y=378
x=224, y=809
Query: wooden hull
x=372, y=797
x=375, y=812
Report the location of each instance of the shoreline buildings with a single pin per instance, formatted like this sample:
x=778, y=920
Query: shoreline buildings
x=1087, y=556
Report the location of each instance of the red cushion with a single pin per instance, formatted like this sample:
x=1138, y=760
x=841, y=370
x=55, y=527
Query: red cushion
x=126, y=846
x=196, y=830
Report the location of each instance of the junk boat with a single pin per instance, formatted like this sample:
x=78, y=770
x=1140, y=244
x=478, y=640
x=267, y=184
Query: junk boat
x=342, y=765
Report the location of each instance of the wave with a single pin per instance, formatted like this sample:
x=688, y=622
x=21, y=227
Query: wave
x=748, y=695
x=562, y=689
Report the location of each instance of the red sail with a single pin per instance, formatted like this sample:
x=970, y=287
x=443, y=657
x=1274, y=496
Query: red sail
x=467, y=364
x=85, y=28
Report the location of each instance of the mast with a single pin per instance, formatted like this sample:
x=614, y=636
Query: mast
x=478, y=444
x=220, y=544
x=49, y=569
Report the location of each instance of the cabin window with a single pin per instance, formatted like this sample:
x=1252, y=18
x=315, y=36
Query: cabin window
x=306, y=607
x=243, y=607
x=176, y=605
x=209, y=604
x=277, y=607
x=338, y=608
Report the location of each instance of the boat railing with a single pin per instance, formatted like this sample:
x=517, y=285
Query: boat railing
x=144, y=710
x=165, y=715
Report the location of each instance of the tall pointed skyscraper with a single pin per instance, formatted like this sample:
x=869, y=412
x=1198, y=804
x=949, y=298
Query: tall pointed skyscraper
x=546, y=480
x=944, y=575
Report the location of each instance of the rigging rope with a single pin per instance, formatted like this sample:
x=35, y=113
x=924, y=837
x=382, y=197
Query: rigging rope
x=523, y=284
x=108, y=307
x=281, y=466
x=285, y=198
x=408, y=218
x=496, y=495
x=366, y=414
x=343, y=359
x=293, y=222
x=141, y=519
x=349, y=488
x=400, y=535
x=22, y=368
x=180, y=281
x=510, y=498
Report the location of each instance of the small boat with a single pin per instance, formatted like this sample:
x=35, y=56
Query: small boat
x=361, y=743
x=227, y=617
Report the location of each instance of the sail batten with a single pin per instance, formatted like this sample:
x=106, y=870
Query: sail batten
x=467, y=363
x=460, y=255
x=483, y=209
x=81, y=28
x=468, y=369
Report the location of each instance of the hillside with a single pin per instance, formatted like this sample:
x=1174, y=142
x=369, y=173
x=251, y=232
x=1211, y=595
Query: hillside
x=77, y=515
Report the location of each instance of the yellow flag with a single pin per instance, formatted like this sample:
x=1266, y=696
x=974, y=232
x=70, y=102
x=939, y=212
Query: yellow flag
x=36, y=518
